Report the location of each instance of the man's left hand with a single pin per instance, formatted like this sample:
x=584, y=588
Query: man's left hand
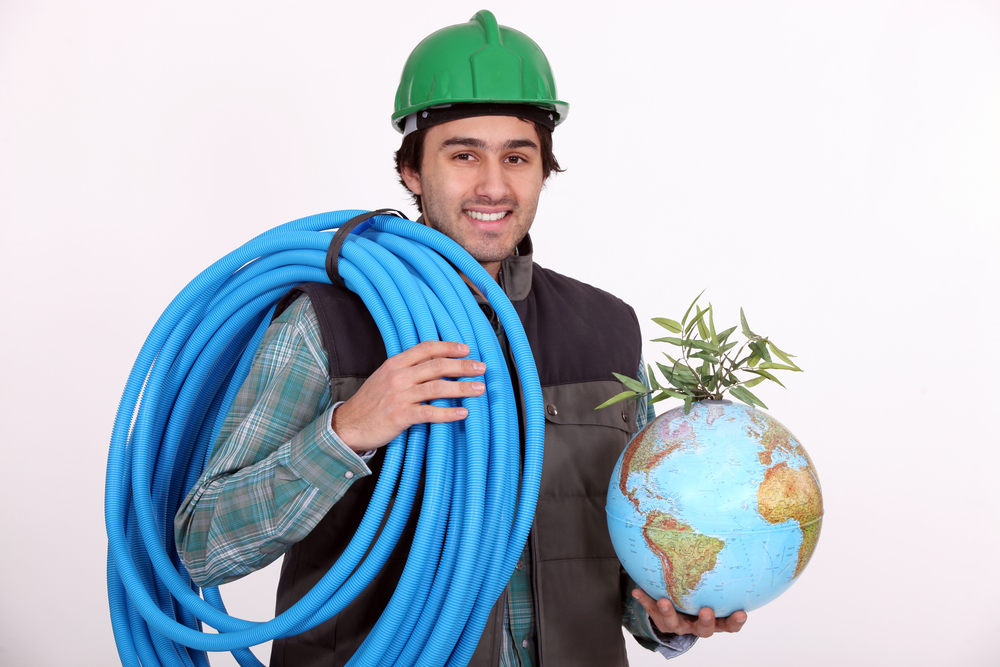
x=705, y=624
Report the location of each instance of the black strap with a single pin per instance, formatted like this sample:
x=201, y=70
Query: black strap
x=333, y=252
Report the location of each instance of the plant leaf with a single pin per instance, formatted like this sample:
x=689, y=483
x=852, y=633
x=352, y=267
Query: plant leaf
x=779, y=367
x=683, y=377
x=705, y=356
x=711, y=327
x=697, y=321
x=745, y=326
x=632, y=384
x=687, y=404
x=744, y=394
x=683, y=369
x=673, y=341
x=766, y=375
x=683, y=321
x=616, y=398
x=670, y=325
x=754, y=382
x=703, y=345
x=652, y=378
x=784, y=356
x=702, y=328
x=725, y=334
x=666, y=393
x=759, y=349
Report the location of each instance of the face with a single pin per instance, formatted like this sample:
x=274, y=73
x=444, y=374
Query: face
x=479, y=183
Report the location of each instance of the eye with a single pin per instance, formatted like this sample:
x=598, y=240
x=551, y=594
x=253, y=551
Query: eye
x=465, y=157
x=515, y=159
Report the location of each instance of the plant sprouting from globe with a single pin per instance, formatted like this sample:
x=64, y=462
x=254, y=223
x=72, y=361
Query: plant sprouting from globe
x=709, y=363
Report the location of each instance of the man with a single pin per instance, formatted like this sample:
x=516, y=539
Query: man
x=295, y=461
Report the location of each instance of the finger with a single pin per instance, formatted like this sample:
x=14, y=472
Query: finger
x=675, y=621
x=431, y=349
x=430, y=391
x=439, y=367
x=661, y=612
x=432, y=414
x=732, y=623
x=649, y=604
x=705, y=625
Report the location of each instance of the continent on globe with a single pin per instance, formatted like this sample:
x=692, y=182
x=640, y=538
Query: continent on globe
x=775, y=437
x=789, y=493
x=649, y=451
x=684, y=554
x=718, y=508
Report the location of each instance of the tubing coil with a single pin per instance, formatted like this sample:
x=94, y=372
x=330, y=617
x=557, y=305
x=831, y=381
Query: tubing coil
x=479, y=497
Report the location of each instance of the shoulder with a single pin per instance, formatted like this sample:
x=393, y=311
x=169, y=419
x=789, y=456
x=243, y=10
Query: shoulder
x=301, y=311
x=294, y=326
x=555, y=288
x=578, y=332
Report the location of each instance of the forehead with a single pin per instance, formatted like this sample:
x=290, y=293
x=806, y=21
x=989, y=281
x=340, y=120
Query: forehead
x=491, y=132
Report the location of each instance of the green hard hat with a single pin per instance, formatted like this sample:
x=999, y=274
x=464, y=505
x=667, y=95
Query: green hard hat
x=477, y=62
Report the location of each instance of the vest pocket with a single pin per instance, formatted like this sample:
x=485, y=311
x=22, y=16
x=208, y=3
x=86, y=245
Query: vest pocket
x=575, y=403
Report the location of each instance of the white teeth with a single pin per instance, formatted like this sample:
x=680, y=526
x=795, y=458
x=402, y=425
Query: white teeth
x=487, y=217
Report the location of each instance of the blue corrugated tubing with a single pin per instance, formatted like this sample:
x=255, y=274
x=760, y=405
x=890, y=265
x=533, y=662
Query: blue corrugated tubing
x=479, y=494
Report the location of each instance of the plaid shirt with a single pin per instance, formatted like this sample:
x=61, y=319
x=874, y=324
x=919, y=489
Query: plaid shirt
x=278, y=467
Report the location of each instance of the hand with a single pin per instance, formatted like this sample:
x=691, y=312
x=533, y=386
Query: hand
x=393, y=398
x=705, y=624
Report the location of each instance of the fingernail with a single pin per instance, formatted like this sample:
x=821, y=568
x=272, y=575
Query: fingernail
x=478, y=386
x=463, y=413
x=478, y=365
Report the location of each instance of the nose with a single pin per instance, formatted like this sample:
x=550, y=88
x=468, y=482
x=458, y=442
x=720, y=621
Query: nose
x=492, y=183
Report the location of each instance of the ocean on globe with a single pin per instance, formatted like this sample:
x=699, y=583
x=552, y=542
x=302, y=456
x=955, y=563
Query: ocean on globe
x=718, y=508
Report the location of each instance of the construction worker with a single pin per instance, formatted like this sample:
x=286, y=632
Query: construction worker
x=298, y=456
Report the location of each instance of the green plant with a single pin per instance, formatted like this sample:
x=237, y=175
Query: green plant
x=706, y=368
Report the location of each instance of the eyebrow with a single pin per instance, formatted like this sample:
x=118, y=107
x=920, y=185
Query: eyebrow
x=472, y=142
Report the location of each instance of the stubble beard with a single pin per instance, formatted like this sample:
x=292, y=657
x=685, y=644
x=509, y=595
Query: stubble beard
x=484, y=246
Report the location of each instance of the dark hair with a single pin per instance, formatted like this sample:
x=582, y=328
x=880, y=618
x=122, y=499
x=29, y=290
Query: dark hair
x=411, y=154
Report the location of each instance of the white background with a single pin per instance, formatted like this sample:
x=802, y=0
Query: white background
x=833, y=167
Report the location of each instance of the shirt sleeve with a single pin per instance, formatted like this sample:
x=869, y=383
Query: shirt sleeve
x=640, y=625
x=634, y=617
x=646, y=412
x=277, y=466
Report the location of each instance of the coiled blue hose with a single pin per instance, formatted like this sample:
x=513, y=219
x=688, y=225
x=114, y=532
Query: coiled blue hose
x=479, y=495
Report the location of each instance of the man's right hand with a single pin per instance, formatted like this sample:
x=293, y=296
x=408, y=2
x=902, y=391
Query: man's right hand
x=397, y=395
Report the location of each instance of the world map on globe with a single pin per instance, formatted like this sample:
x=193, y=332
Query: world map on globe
x=718, y=508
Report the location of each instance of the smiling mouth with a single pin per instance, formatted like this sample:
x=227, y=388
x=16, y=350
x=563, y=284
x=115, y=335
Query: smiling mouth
x=486, y=217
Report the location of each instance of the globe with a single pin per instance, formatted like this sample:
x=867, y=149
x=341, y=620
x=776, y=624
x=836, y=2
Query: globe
x=718, y=508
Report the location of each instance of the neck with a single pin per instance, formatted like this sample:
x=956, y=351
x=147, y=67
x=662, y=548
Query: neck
x=492, y=268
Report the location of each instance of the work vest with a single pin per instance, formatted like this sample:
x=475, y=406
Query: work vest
x=579, y=336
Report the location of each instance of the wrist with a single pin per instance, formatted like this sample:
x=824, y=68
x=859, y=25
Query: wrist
x=341, y=427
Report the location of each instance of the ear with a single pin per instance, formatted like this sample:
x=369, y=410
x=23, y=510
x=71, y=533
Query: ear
x=412, y=180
